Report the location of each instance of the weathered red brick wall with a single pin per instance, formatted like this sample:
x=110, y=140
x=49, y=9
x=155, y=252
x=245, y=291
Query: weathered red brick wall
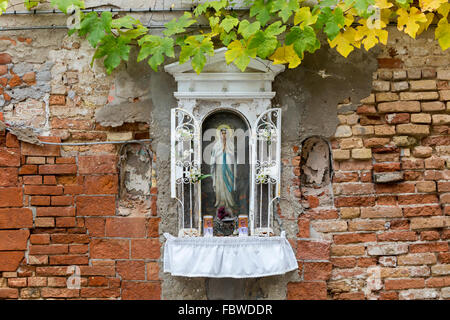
x=387, y=237
x=57, y=212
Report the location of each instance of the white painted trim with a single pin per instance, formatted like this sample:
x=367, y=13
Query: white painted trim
x=223, y=76
x=224, y=95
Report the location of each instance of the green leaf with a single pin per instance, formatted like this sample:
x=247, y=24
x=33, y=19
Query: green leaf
x=229, y=23
x=63, y=5
x=226, y=38
x=247, y=29
x=29, y=4
x=3, y=5
x=327, y=3
x=177, y=26
x=126, y=22
x=262, y=10
x=216, y=5
x=114, y=49
x=333, y=20
x=404, y=3
x=96, y=28
x=274, y=29
x=239, y=54
x=196, y=47
x=302, y=40
x=265, y=42
x=362, y=6
x=157, y=47
x=134, y=33
x=285, y=8
x=213, y=21
x=304, y=17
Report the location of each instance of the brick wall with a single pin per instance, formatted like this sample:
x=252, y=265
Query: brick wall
x=58, y=211
x=387, y=236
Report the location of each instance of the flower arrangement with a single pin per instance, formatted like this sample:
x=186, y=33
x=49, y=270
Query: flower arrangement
x=222, y=213
x=267, y=133
x=195, y=175
x=184, y=134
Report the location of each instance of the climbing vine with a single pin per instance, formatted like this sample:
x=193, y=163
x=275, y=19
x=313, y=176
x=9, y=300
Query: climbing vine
x=278, y=30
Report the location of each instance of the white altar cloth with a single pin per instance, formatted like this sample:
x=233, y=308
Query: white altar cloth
x=228, y=257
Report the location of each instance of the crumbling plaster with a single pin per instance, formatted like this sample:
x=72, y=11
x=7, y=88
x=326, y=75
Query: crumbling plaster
x=308, y=96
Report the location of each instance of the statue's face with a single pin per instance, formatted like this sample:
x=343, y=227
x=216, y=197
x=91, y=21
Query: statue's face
x=224, y=135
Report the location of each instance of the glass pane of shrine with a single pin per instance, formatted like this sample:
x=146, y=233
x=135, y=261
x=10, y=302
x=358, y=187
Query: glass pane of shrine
x=225, y=194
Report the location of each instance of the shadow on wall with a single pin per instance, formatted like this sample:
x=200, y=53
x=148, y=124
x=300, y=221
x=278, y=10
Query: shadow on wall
x=309, y=94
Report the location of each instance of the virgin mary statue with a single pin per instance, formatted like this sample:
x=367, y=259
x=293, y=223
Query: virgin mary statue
x=223, y=168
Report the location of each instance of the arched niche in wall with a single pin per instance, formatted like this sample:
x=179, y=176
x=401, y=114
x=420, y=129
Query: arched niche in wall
x=226, y=157
x=316, y=172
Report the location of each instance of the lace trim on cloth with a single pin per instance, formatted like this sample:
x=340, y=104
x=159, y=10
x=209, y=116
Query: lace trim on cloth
x=228, y=257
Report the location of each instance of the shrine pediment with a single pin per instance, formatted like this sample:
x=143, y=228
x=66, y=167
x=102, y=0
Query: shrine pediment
x=221, y=80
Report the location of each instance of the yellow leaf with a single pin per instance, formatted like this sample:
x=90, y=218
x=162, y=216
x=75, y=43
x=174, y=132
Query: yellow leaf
x=444, y=9
x=386, y=15
x=410, y=20
x=424, y=25
x=286, y=54
x=345, y=42
x=431, y=5
x=304, y=17
x=383, y=4
x=348, y=19
x=442, y=34
x=370, y=35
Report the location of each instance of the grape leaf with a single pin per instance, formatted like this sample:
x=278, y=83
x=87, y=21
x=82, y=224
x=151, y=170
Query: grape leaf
x=239, y=54
x=431, y=5
x=216, y=5
x=286, y=54
x=302, y=40
x=114, y=49
x=95, y=27
x=63, y=5
x=226, y=38
x=3, y=5
x=409, y=22
x=196, y=47
x=247, y=29
x=404, y=3
x=262, y=10
x=327, y=3
x=29, y=4
x=265, y=42
x=363, y=7
x=444, y=10
x=383, y=4
x=134, y=33
x=345, y=42
x=177, y=26
x=371, y=36
x=285, y=8
x=213, y=21
x=442, y=33
x=157, y=47
x=333, y=20
x=126, y=22
x=229, y=23
x=424, y=25
x=304, y=17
